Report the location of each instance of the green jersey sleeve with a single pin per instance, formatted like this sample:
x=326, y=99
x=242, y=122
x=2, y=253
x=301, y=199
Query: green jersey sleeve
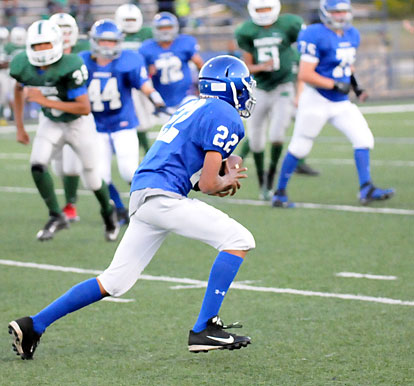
x=292, y=24
x=243, y=35
x=17, y=66
x=73, y=71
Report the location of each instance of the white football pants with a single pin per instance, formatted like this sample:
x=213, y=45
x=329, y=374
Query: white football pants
x=274, y=110
x=80, y=134
x=314, y=111
x=152, y=219
x=144, y=110
x=124, y=144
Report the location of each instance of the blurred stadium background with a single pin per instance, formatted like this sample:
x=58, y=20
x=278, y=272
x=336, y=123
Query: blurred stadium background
x=385, y=63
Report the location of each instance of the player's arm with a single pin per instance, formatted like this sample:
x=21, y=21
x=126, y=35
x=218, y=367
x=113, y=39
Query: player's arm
x=18, y=109
x=197, y=60
x=153, y=95
x=211, y=182
x=308, y=74
x=259, y=67
x=79, y=106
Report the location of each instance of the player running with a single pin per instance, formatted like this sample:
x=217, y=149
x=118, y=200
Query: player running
x=198, y=136
x=114, y=73
x=266, y=42
x=168, y=56
x=328, y=52
x=56, y=81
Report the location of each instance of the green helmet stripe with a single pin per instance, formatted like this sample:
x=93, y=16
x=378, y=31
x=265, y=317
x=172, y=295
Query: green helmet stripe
x=40, y=28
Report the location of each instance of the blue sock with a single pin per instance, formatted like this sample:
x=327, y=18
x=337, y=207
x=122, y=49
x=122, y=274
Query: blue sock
x=288, y=167
x=222, y=274
x=362, y=164
x=115, y=197
x=77, y=297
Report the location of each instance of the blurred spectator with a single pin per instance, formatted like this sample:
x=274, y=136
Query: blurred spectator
x=183, y=10
x=81, y=11
x=408, y=26
x=56, y=6
x=166, y=6
x=10, y=13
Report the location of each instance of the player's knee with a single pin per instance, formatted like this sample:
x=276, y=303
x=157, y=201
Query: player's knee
x=39, y=168
x=364, y=143
x=300, y=147
x=92, y=180
x=242, y=239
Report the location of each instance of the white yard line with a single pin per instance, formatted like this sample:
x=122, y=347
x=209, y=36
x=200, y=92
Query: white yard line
x=201, y=284
x=340, y=208
x=365, y=276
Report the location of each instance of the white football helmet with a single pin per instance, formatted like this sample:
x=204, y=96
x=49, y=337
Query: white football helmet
x=44, y=31
x=18, y=36
x=264, y=18
x=129, y=18
x=4, y=35
x=69, y=28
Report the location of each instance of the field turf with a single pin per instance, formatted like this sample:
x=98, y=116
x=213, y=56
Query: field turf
x=308, y=325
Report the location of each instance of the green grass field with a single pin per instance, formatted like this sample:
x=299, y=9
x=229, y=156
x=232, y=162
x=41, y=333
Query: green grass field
x=287, y=293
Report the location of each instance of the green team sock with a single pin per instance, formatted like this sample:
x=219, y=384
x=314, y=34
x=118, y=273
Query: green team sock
x=245, y=150
x=275, y=152
x=143, y=140
x=44, y=184
x=70, y=185
x=102, y=195
x=259, y=162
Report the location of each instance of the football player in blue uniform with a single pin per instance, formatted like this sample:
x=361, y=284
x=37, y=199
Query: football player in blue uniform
x=113, y=73
x=328, y=52
x=191, y=146
x=168, y=56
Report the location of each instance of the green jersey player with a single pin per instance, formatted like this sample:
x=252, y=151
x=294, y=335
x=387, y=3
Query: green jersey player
x=66, y=163
x=266, y=42
x=56, y=81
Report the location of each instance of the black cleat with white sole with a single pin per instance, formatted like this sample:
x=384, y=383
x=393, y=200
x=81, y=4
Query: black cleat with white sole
x=53, y=225
x=25, y=338
x=213, y=337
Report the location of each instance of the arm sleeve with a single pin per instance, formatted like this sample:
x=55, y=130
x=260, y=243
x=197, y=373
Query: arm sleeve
x=243, y=40
x=308, y=46
x=138, y=75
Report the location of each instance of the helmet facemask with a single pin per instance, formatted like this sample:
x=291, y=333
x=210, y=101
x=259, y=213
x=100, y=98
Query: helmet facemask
x=329, y=13
x=267, y=17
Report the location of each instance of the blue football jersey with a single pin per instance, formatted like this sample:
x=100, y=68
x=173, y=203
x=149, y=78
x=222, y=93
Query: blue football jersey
x=109, y=89
x=177, y=156
x=173, y=77
x=334, y=54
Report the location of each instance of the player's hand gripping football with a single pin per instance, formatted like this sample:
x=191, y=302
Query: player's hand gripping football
x=231, y=171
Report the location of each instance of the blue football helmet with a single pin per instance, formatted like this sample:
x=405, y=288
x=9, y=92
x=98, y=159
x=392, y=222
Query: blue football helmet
x=228, y=78
x=106, y=29
x=162, y=20
x=328, y=6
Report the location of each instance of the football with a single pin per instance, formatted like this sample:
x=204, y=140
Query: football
x=233, y=162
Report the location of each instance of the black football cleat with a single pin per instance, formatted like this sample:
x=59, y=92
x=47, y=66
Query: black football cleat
x=213, y=337
x=370, y=192
x=112, y=226
x=25, y=338
x=306, y=170
x=123, y=216
x=53, y=225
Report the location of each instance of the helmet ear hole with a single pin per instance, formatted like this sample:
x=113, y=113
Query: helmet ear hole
x=227, y=78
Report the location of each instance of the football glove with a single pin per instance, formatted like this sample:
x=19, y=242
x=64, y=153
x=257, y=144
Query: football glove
x=342, y=87
x=355, y=86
